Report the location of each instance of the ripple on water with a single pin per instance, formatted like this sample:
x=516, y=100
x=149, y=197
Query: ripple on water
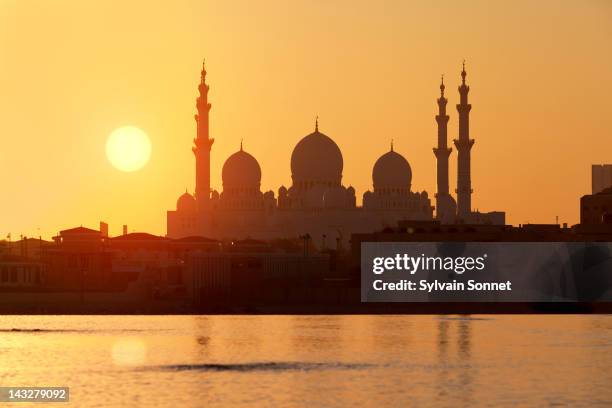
x=263, y=366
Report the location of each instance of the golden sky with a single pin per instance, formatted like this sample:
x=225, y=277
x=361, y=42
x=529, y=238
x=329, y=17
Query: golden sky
x=73, y=71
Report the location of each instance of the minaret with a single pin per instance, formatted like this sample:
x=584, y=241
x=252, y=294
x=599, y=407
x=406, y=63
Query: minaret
x=464, y=145
x=442, y=152
x=202, y=144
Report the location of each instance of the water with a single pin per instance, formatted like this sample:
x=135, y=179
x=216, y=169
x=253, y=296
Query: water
x=311, y=361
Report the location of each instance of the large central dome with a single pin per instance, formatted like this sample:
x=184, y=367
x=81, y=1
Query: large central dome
x=316, y=159
x=392, y=171
x=241, y=170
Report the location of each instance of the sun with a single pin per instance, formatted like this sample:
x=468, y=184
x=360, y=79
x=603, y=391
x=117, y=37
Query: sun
x=128, y=148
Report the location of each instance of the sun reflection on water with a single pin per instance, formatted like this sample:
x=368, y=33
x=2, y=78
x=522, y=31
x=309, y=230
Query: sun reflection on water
x=129, y=351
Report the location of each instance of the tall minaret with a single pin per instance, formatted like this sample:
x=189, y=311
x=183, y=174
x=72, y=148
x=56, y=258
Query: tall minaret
x=464, y=145
x=442, y=152
x=202, y=144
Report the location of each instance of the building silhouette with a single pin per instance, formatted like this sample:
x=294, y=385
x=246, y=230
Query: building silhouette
x=317, y=203
x=446, y=207
x=21, y=272
x=202, y=145
x=601, y=177
x=464, y=146
x=596, y=208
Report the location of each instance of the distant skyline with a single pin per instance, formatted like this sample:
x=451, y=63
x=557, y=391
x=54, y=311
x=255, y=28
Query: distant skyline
x=72, y=72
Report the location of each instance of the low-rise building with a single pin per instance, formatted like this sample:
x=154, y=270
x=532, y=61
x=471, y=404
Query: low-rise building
x=596, y=209
x=20, y=272
x=252, y=277
x=79, y=260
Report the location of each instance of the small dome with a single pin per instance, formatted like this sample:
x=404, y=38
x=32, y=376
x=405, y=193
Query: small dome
x=186, y=203
x=392, y=170
x=317, y=158
x=241, y=170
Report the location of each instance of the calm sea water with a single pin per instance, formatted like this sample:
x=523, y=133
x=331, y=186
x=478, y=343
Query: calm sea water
x=311, y=361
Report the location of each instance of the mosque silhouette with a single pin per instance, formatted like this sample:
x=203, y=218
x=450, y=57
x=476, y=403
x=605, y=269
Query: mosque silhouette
x=317, y=204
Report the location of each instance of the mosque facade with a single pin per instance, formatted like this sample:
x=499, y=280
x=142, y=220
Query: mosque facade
x=317, y=204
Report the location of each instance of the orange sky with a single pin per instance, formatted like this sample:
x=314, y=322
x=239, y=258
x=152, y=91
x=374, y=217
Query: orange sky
x=73, y=71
